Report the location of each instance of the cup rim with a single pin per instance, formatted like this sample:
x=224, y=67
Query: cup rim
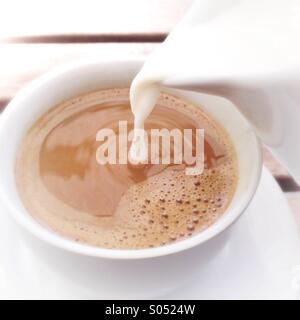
x=48, y=236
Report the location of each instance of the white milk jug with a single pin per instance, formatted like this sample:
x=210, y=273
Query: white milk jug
x=247, y=51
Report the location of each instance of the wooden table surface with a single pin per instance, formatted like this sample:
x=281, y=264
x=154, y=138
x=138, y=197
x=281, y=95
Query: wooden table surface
x=45, y=34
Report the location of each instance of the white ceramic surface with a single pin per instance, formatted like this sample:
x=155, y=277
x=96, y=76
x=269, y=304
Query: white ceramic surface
x=261, y=259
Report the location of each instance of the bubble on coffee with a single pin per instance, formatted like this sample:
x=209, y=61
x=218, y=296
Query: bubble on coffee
x=121, y=206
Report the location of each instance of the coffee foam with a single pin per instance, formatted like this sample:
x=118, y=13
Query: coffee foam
x=120, y=206
x=169, y=206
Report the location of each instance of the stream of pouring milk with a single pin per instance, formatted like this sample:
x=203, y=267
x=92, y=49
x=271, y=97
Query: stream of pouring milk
x=217, y=46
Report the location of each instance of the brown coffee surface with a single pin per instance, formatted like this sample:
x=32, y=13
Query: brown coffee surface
x=122, y=205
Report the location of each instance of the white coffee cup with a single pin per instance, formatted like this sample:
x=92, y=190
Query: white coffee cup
x=112, y=273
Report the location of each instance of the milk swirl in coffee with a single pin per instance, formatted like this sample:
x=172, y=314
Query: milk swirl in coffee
x=121, y=206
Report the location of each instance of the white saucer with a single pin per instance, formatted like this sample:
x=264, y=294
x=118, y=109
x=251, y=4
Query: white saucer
x=261, y=259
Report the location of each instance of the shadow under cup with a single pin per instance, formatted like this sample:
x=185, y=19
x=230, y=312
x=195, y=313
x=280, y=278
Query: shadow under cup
x=121, y=273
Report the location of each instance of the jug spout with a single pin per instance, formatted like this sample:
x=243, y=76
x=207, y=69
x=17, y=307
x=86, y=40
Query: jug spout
x=244, y=51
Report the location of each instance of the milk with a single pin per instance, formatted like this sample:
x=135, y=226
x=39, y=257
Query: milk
x=247, y=51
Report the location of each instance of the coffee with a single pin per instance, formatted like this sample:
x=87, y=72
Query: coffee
x=123, y=206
